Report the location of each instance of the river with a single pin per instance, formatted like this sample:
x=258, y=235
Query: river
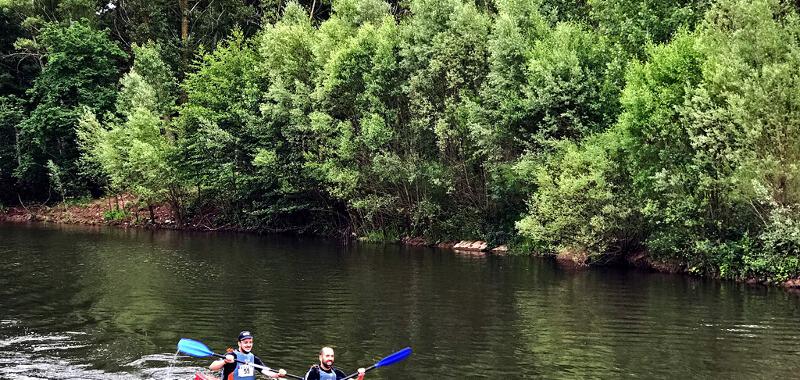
x=106, y=303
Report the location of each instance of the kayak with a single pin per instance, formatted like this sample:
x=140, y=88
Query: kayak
x=203, y=376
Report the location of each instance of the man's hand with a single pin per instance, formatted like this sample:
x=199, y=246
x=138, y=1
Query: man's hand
x=268, y=372
x=361, y=373
x=229, y=359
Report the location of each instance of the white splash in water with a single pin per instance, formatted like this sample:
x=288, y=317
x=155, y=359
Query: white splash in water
x=31, y=338
x=42, y=361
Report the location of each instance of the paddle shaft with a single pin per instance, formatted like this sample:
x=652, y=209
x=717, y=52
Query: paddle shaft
x=352, y=375
x=257, y=366
x=389, y=360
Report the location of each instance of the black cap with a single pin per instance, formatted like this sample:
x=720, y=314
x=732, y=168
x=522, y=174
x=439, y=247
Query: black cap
x=245, y=335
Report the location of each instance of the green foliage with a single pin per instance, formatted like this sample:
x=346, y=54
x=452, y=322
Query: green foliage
x=659, y=145
x=357, y=125
x=359, y=12
x=16, y=70
x=573, y=85
x=778, y=253
x=222, y=115
x=222, y=100
x=556, y=11
x=381, y=236
x=634, y=24
x=209, y=23
x=55, y=179
x=80, y=70
x=580, y=203
x=115, y=215
x=288, y=127
x=77, y=9
x=11, y=114
x=544, y=85
x=714, y=140
x=444, y=50
x=135, y=151
x=497, y=120
x=150, y=64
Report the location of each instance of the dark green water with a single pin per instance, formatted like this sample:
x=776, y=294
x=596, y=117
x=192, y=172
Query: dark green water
x=99, y=303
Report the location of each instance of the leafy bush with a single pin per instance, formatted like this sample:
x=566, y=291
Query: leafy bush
x=81, y=70
x=579, y=203
x=115, y=215
x=779, y=253
x=713, y=135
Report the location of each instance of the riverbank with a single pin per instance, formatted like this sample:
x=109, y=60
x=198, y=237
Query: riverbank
x=126, y=212
x=116, y=211
x=121, y=211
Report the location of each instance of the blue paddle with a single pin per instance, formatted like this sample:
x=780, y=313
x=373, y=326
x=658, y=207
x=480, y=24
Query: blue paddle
x=389, y=360
x=197, y=349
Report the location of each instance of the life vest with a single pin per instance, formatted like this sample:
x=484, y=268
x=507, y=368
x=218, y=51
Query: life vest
x=244, y=371
x=326, y=375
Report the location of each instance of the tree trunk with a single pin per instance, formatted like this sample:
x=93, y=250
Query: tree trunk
x=176, y=211
x=16, y=146
x=174, y=200
x=184, y=6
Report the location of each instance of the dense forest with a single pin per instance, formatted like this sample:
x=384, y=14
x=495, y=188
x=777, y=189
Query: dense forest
x=599, y=127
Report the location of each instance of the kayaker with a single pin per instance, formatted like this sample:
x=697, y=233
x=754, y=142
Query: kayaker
x=233, y=370
x=325, y=370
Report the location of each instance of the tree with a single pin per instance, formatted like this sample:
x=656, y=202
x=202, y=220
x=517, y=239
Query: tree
x=216, y=141
x=11, y=114
x=545, y=84
x=290, y=67
x=633, y=24
x=713, y=141
x=356, y=119
x=444, y=53
x=17, y=68
x=181, y=26
x=136, y=151
x=81, y=69
x=581, y=204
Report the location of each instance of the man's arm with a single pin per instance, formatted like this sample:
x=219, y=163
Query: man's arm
x=274, y=375
x=218, y=364
x=342, y=375
x=312, y=374
x=269, y=372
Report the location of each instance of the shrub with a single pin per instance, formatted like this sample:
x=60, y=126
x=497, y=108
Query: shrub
x=115, y=215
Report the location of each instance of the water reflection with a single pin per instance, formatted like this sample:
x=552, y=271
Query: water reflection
x=94, y=303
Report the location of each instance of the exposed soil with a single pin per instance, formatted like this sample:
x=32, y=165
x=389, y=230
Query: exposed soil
x=573, y=259
x=643, y=261
x=97, y=212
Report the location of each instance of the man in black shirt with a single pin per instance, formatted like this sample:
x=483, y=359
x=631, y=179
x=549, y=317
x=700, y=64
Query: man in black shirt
x=325, y=370
x=238, y=364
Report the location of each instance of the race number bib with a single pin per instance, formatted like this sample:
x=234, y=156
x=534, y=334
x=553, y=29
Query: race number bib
x=246, y=370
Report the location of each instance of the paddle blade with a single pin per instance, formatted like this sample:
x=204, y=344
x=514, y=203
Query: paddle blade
x=194, y=348
x=394, y=358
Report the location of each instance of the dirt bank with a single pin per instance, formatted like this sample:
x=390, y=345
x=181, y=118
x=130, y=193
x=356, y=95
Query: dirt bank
x=123, y=211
